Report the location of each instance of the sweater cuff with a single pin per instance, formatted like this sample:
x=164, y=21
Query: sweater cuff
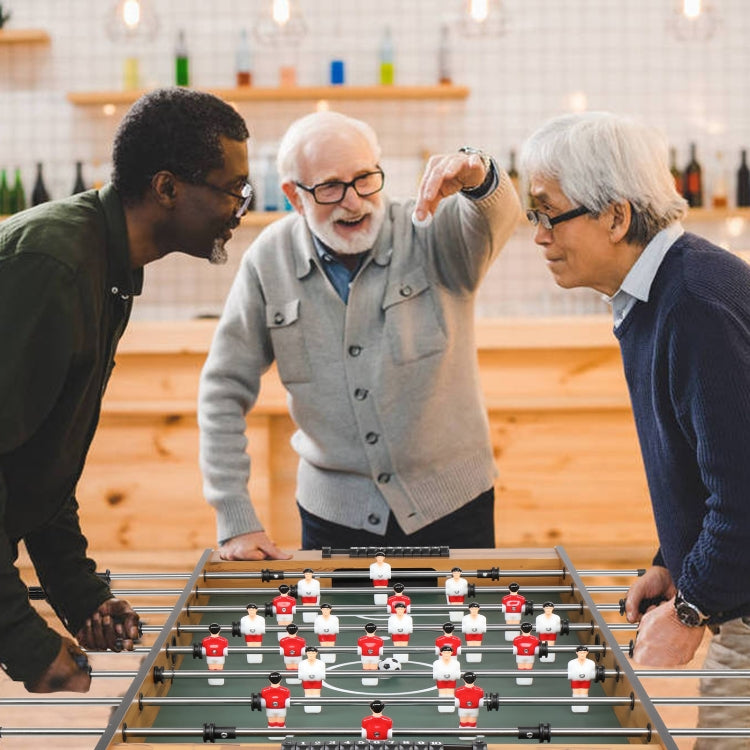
x=34, y=647
x=235, y=517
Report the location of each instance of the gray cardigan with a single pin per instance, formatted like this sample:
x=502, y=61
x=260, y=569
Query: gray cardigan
x=384, y=390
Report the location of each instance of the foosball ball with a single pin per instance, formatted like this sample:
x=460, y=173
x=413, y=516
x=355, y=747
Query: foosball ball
x=418, y=649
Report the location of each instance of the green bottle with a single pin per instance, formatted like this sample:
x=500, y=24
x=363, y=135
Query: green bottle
x=181, y=70
x=17, y=194
x=4, y=194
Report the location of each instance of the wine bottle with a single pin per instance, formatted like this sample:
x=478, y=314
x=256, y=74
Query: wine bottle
x=694, y=180
x=79, y=185
x=4, y=194
x=39, y=194
x=444, y=56
x=244, y=61
x=674, y=169
x=387, y=69
x=181, y=63
x=743, y=181
x=17, y=194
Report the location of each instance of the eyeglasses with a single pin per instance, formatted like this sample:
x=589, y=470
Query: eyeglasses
x=244, y=196
x=326, y=193
x=547, y=222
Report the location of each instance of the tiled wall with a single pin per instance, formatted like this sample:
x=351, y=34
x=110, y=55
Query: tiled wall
x=554, y=55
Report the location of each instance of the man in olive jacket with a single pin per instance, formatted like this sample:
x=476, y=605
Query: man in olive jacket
x=68, y=273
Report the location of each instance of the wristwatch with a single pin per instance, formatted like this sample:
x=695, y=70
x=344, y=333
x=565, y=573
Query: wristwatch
x=486, y=162
x=688, y=614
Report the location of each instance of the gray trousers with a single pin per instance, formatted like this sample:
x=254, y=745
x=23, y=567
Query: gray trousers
x=729, y=649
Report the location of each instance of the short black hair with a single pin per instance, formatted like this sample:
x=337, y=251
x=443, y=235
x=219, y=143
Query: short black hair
x=172, y=129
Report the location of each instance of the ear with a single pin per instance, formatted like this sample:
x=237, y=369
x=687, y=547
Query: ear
x=291, y=192
x=621, y=214
x=164, y=185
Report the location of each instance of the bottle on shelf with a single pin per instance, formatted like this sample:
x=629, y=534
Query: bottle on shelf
x=39, y=193
x=273, y=199
x=720, y=188
x=387, y=68
x=4, y=194
x=17, y=194
x=79, y=185
x=675, y=170
x=243, y=61
x=181, y=62
x=445, y=67
x=743, y=181
x=337, y=72
x=693, y=182
x=513, y=172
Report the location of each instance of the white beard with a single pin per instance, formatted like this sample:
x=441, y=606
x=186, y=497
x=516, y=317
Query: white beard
x=219, y=254
x=360, y=243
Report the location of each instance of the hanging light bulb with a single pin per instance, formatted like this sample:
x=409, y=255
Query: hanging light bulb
x=281, y=11
x=693, y=20
x=132, y=20
x=282, y=21
x=482, y=17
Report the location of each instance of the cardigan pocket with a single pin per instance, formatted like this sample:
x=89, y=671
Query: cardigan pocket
x=411, y=319
x=288, y=341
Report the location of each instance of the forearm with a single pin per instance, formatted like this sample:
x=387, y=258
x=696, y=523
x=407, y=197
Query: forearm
x=58, y=551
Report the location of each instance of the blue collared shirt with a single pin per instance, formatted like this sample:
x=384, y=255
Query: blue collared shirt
x=637, y=284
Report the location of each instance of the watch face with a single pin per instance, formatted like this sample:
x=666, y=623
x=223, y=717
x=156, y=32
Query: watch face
x=688, y=615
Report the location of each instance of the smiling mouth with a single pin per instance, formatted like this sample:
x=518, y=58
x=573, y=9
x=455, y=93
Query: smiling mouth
x=351, y=223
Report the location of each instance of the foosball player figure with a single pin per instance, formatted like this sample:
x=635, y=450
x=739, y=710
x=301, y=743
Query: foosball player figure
x=581, y=671
x=512, y=604
x=376, y=726
x=308, y=591
x=292, y=646
x=215, y=648
x=253, y=627
x=275, y=700
x=380, y=574
x=456, y=587
x=370, y=648
x=448, y=639
x=469, y=699
x=400, y=626
x=473, y=627
x=284, y=606
x=398, y=596
x=326, y=627
x=311, y=672
x=445, y=671
x=525, y=649
x=548, y=627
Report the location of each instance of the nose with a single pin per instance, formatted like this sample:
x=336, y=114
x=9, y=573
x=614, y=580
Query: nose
x=351, y=200
x=542, y=236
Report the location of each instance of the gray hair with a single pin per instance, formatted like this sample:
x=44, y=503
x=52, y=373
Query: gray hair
x=302, y=131
x=599, y=159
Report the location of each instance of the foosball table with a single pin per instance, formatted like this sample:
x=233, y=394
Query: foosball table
x=172, y=703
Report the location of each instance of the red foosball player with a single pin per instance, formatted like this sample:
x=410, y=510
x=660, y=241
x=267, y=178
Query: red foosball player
x=311, y=673
x=456, y=587
x=308, y=588
x=215, y=648
x=284, y=606
x=292, y=646
x=548, y=627
x=253, y=627
x=473, y=627
x=513, y=604
x=581, y=671
x=370, y=647
x=326, y=627
x=398, y=596
x=376, y=726
x=445, y=671
x=525, y=649
x=448, y=639
x=469, y=699
x=400, y=626
x=275, y=700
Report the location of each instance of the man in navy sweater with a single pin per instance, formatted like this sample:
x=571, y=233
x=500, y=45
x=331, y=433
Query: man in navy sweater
x=607, y=216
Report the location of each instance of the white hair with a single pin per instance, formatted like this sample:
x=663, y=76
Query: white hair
x=303, y=131
x=599, y=159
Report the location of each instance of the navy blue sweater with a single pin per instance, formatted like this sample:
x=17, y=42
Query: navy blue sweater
x=686, y=354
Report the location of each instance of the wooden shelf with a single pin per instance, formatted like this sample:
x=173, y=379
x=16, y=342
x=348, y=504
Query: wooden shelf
x=717, y=214
x=288, y=93
x=23, y=36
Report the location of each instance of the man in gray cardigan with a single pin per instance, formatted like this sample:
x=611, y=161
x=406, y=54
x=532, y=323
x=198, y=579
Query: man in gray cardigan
x=367, y=307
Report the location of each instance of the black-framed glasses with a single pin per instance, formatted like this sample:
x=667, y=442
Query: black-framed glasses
x=326, y=193
x=547, y=222
x=244, y=196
